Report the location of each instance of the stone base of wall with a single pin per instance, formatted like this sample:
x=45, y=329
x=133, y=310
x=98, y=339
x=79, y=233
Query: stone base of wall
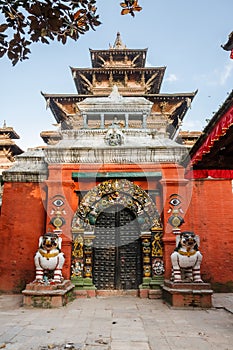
x=48, y=296
x=90, y=293
x=150, y=293
x=142, y=293
x=187, y=294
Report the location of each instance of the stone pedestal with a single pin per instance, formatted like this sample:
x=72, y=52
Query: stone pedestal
x=48, y=296
x=84, y=287
x=155, y=284
x=187, y=294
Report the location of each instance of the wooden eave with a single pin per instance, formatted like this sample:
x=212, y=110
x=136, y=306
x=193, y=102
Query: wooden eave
x=58, y=113
x=88, y=72
x=10, y=132
x=65, y=97
x=11, y=146
x=182, y=99
x=118, y=52
x=180, y=96
x=229, y=44
x=16, y=150
x=56, y=101
x=219, y=155
x=188, y=138
x=47, y=136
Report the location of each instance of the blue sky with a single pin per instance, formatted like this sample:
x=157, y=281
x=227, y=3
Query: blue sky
x=184, y=36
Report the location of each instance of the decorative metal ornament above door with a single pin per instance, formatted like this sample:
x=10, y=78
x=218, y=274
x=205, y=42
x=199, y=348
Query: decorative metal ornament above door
x=116, y=192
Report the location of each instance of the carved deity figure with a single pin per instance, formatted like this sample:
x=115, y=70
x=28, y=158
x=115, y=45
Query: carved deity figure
x=49, y=259
x=186, y=259
x=114, y=136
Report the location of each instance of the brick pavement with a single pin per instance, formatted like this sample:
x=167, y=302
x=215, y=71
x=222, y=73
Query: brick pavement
x=116, y=323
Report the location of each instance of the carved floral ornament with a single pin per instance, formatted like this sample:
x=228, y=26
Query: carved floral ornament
x=112, y=192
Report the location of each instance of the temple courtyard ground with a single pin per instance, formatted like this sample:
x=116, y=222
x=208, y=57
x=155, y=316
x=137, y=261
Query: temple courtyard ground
x=116, y=323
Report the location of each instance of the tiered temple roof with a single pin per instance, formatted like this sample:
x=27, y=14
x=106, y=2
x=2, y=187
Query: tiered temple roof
x=8, y=148
x=124, y=68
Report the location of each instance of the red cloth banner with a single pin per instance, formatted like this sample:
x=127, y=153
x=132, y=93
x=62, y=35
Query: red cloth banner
x=219, y=130
x=206, y=173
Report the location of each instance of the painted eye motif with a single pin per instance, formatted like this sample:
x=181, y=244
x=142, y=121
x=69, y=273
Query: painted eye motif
x=175, y=201
x=58, y=202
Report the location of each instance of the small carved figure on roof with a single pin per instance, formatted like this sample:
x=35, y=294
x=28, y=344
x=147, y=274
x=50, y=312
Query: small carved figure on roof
x=115, y=123
x=114, y=136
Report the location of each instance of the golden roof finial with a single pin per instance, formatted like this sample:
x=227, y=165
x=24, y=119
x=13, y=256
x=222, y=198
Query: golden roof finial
x=118, y=43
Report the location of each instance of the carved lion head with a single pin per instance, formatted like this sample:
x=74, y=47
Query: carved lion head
x=188, y=240
x=50, y=241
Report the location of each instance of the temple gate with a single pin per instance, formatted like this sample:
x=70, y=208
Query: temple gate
x=116, y=250
x=113, y=231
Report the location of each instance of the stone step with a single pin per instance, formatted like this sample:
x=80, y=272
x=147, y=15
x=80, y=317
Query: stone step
x=115, y=292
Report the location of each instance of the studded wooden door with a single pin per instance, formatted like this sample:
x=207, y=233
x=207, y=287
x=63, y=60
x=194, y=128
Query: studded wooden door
x=117, y=254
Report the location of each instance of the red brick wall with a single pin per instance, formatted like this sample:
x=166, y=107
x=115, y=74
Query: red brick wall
x=207, y=205
x=210, y=215
x=22, y=222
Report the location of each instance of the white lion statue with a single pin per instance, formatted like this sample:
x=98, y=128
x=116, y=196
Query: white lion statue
x=186, y=259
x=49, y=259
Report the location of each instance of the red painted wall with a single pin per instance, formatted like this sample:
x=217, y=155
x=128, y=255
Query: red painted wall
x=22, y=222
x=26, y=213
x=210, y=215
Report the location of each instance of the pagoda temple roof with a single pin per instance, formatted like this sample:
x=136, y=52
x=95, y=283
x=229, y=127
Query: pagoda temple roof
x=124, y=68
x=63, y=105
x=138, y=56
x=9, y=131
x=214, y=148
x=7, y=134
x=83, y=78
x=175, y=105
x=134, y=57
x=50, y=137
x=10, y=144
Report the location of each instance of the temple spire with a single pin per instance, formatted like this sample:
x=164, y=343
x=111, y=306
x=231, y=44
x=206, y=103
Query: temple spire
x=118, y=43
